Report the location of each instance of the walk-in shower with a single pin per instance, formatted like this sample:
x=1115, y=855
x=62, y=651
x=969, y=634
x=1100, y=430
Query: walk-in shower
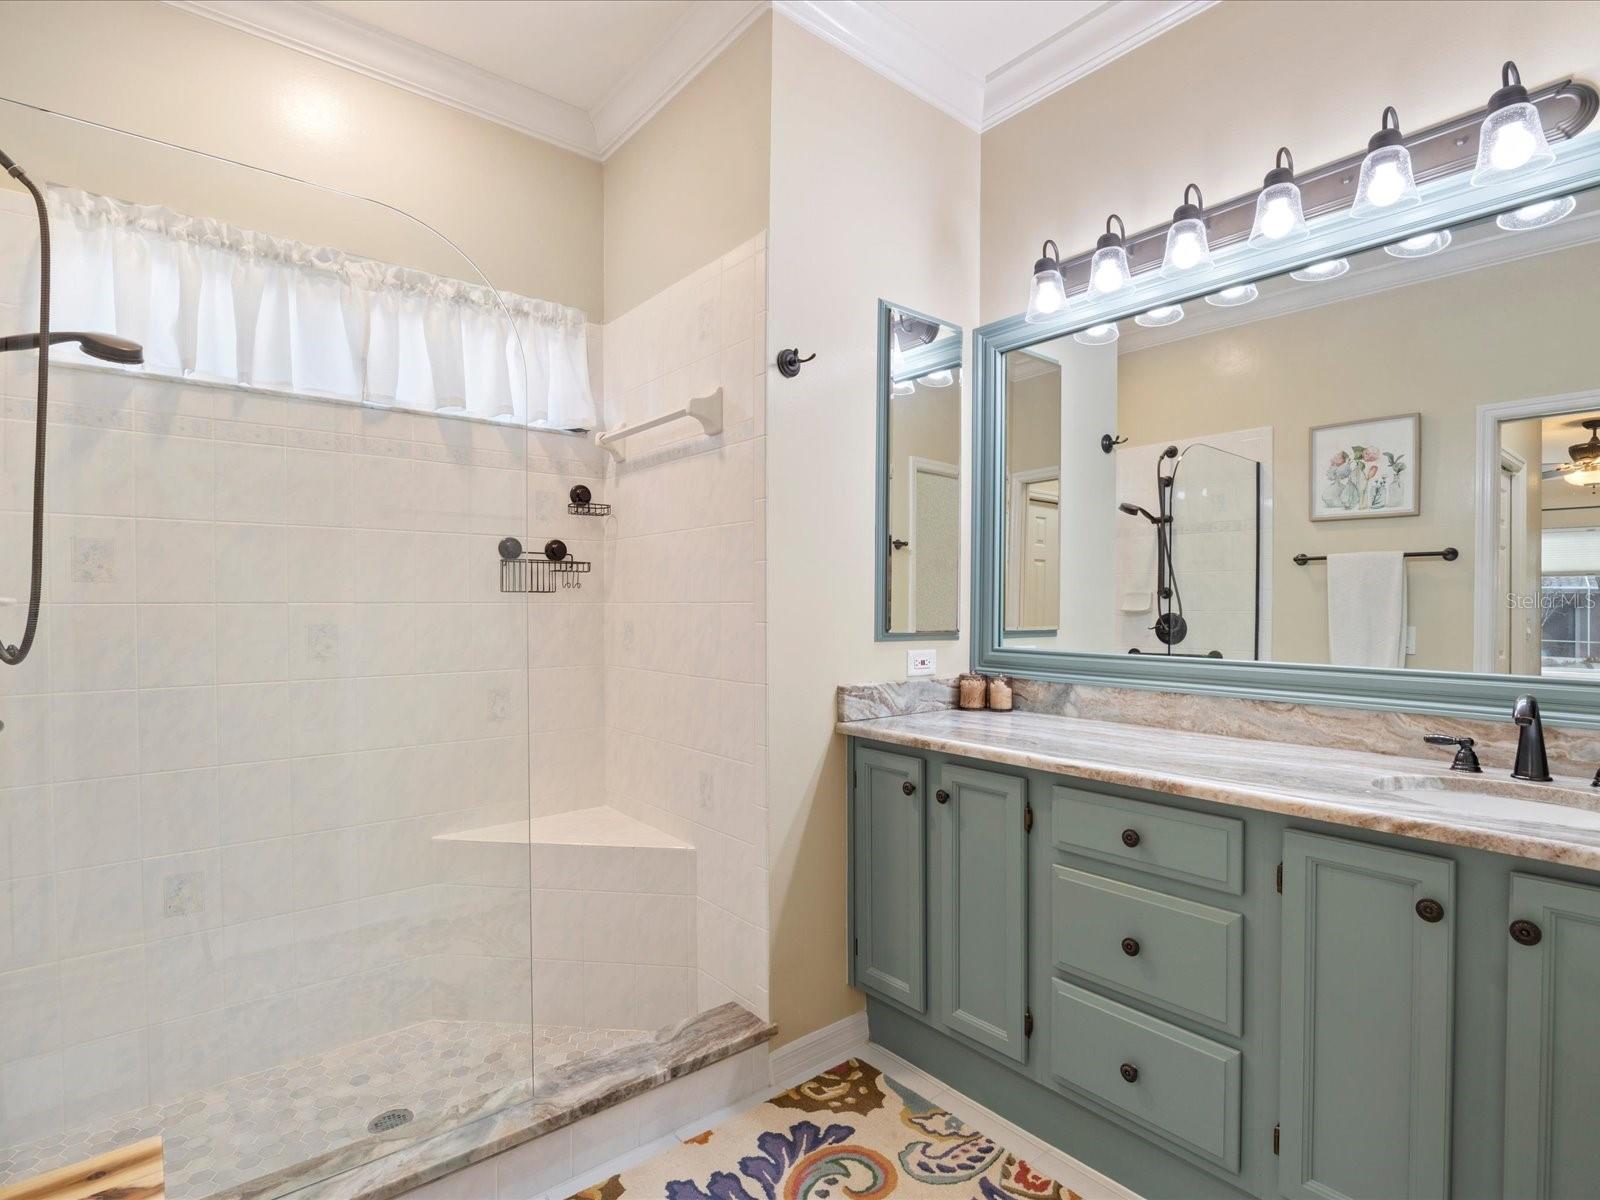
x=314, y=841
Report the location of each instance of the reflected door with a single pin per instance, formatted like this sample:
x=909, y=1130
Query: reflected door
x=935, y=544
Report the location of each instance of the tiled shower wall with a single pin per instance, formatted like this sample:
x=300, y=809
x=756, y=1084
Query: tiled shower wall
x=685, y=622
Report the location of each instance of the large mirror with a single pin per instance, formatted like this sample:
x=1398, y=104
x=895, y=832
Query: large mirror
x=919, y=475
x=1387, y=459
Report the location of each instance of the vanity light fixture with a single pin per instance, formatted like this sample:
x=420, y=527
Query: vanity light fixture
x=1108, y=269
x=1233, y=297
x=1166, y=314
x=1511, y=139
x=1049, y=293
x=1386, y=179
x=1279, y=216
x=1187, y=248
x=1537, y=215
x=1328, y=268
x=940, y=379
x=902, y=388
x=1097, y=335
x=1420, y=246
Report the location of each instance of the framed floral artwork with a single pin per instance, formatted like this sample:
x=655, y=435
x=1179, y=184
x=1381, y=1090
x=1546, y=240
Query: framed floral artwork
x=1366, y=469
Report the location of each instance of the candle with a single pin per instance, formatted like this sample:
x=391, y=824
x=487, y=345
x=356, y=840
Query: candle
x=971, y=691
x=1000, y=694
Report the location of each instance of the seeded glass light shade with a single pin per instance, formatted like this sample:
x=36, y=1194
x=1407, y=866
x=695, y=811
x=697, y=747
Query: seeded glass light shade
x=1386, y=181
x=1538, y=215
x=1279, y=217
x=939, y=379
x=1167, y=314
x=1511, y=140
x=1234, y=296
x=1187, y=246
x=1420, y=246
x=1048, y=296
x=1329, y=268
x=902, y=387
x=1096, y=335
x=1108, y=269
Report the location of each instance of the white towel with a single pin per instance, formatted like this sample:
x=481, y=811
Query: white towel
x=1367, y=609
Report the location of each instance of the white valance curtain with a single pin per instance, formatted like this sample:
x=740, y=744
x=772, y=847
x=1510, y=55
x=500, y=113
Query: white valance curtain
x=217, y=303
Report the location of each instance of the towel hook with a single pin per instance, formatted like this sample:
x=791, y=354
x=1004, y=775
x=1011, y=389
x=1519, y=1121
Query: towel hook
x=789, y=362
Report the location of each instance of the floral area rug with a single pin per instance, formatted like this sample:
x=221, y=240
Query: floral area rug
x=851, y=1133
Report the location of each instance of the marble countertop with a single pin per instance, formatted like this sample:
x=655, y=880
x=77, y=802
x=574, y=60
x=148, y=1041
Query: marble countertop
x=1421, y=798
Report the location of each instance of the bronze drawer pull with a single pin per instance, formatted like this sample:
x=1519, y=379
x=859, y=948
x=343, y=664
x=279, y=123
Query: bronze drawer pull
x=1130, y=1073
x=1130, y=946
x=1130, y=838
x=942, y=796
x=1526, y=933
x=1430, y=910
x=908, y=788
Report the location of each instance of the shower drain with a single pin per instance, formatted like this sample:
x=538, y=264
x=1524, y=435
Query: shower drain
x=392, y=1119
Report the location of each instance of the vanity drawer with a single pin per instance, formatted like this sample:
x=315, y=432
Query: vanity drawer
x=1193, y=847
x=1174, y=1082
x=1184, y=956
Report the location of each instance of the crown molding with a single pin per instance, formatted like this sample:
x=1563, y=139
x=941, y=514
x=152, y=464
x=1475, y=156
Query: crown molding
x=703, y=33
x=1112, y=30
x=894, y=49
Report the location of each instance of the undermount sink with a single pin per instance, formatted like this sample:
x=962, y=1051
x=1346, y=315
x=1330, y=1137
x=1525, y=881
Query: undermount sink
x=1465, y=788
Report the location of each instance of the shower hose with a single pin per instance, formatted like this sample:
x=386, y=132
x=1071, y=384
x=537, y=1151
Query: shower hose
x=13, y=655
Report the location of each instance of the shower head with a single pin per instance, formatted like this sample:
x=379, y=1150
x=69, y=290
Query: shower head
x=1133, y=510
x=107, y=347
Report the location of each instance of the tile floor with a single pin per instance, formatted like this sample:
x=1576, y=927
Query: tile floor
x=260, y=1124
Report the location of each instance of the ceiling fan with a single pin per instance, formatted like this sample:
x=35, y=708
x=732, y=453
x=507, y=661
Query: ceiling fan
x=1584, y=469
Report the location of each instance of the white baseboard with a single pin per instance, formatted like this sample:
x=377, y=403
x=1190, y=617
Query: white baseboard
x=817, y=1051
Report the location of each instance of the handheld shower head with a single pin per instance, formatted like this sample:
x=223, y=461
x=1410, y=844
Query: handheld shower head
x=107, y=347
x=1133, y=510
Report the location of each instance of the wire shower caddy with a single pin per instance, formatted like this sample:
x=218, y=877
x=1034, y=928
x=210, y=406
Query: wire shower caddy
x=540, y=573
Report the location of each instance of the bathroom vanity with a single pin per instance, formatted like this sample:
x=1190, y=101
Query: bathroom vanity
x=1212, y=967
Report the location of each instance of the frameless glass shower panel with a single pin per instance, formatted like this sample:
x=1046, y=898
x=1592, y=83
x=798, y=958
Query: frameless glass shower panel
x=277, y=695
x=1216, y=528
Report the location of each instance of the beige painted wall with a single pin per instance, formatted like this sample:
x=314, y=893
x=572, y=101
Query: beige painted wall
x=1212, y=99
x=692, y=183
x=1443, y=348
x=874, y=195
x=527, y=212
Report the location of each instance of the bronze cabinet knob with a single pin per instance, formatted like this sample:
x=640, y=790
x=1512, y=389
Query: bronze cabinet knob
x=942, y=796
x=1526, y=933
x=1130, y=946
x=908, y=788
x=1430, y=910
x=1130, y=1073
x=1130, y=838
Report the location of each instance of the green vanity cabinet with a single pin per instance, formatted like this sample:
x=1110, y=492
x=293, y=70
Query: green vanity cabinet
x=1552, y=1040
x=981, y=821
x=1367, y=988
x=889, y=838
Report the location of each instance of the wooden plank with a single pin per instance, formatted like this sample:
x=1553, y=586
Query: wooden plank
x=132, y=1172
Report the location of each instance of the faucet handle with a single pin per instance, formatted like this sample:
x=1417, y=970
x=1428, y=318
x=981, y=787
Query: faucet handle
x=1466, y=757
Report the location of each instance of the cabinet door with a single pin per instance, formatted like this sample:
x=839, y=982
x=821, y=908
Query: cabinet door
x=1365, y=1066
x=889, y=864
x=1552, y=1040
x=981, y=893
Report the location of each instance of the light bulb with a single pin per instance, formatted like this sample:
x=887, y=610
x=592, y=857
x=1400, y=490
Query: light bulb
x=1109, y=271
x=1511, y=140
x=1048, y=295
x=1096, y=335
x=1386, y=179
x=1187, y=246
x=1166, y=314
x=1278, y=219
x=1330, y=268
x=1234, y=296
x=1420, y=246
x=1535, y=216
x=1279, y=216
x=1387, y=185
x=1187, y=250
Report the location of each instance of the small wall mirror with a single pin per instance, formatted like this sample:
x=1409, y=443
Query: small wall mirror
x=919, y=475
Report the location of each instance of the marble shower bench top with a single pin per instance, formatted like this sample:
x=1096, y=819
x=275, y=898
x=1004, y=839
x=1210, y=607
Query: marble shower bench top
x=1420, y=798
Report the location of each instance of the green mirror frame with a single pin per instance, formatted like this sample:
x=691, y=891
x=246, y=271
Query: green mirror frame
x=938, y=355
x=1446, y=201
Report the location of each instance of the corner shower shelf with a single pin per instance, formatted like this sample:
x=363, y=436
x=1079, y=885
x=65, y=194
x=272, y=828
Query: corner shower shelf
x=705, y=409
x=539, y=574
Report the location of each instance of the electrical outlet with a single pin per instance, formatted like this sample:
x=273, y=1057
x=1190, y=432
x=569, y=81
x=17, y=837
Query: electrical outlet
x=921, y=662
